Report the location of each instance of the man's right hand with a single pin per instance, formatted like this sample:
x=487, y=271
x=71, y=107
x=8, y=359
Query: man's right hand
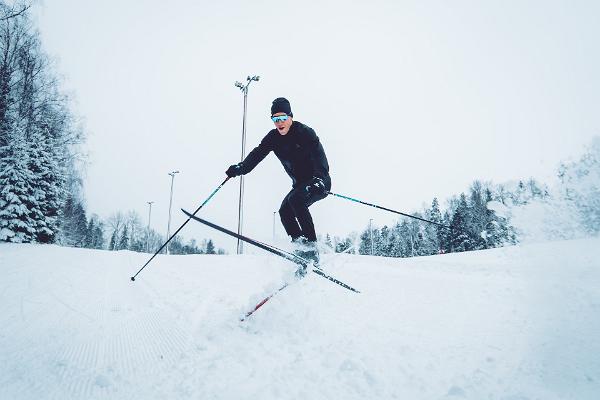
x=234, y=170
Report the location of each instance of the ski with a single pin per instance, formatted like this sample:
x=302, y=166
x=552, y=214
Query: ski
x=302, y=263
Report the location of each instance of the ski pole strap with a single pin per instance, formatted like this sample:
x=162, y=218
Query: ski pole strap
x=387, y=209
x=181, y=227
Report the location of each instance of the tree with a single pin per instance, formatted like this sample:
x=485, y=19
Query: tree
x=459, y=227
x=477, y=216
x=210, y=247
x=580, y=186
x=116, y=221
x=16, y=194
x=35, y=123
x=95, y=233
x=433, y=233
x=124, y=241
x=74, y=223
x=113, y=245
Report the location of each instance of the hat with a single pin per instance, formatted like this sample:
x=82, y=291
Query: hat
x=281, y=104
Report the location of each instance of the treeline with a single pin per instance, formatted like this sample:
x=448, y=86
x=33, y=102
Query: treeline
x=41, y=192
x=39, y=136
x=490, y=215
x=471, y=225
x=124, y=232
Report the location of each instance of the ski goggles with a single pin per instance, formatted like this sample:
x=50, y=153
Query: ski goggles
x=279, y=118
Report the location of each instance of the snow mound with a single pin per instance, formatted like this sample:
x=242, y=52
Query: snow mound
x=509, y=323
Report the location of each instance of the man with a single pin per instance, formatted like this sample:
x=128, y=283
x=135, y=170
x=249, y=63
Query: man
x=298, y=148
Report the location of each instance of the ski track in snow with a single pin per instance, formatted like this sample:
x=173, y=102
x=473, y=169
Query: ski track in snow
x=517, y=323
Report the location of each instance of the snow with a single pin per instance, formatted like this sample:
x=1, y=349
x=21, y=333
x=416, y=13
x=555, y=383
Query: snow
x=512, y=323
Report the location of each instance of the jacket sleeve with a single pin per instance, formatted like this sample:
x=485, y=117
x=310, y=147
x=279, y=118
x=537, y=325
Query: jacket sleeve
x=257, y=155
x=318, y=159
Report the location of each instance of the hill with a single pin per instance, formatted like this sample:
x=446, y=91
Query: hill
x=513, y=323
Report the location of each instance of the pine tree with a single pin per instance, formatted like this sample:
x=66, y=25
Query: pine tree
x=477, y=216
x=89, y=234
x=73, y=223
x=124, y=241
x=383, y=244
x=16, y=194
x=98, y=237
x=396, y=242
x=432, y=232
x=406, y=240
x=113, y=245
x=210, y=247
x=367, y=242
x=460, y=233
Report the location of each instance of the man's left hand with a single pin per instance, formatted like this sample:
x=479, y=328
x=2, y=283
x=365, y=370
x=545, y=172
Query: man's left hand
x=316, y=186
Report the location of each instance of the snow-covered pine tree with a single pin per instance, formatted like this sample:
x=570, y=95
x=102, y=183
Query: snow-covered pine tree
x=478, y=216
x=73, y=223
x=446, y=234
x=406, y=242
x=432, y=233
x=17, y=197
x=94, y=235
x=396, y=249
x=124, y=240
x=210, y=247
x=367, y=242
x=98, y=236
x=32, y=108
x=417, y=237
x=113, y=244
x=580, y=185
x=460, y=240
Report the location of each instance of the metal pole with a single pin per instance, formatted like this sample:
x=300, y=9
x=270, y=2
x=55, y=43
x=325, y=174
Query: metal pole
x=371, y=232
x=148, y=230
x=170, y=204
x=244, y=89
x=240, y=244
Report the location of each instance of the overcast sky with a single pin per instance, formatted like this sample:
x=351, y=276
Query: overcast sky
x=411, y=99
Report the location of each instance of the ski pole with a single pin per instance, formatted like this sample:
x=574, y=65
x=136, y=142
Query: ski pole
x=177, y=231
x=388, y=209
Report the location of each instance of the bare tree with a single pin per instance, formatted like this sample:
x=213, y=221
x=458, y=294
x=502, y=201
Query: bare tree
x=16, y=10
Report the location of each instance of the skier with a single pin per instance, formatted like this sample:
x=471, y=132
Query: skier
x=298, y=148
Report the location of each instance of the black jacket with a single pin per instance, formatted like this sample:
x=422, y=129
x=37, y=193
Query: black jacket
x=299, y=151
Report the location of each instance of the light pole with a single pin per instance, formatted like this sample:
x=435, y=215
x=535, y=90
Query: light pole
x=148, y=230
x=170, y=204
x=244, y=89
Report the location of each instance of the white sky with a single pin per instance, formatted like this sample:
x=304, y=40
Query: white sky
x=411, y=99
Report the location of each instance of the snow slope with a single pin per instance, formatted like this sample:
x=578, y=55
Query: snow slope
x=514, y=323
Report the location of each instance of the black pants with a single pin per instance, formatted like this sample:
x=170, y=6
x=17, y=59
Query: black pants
x=295, y=217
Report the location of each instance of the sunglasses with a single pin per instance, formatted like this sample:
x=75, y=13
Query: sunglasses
x=279, y=118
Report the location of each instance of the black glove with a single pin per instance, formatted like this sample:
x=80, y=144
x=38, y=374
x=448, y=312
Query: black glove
x=316, y=186
x=234, y=170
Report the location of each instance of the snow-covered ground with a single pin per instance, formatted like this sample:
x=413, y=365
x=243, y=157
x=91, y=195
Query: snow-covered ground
x=514, y=323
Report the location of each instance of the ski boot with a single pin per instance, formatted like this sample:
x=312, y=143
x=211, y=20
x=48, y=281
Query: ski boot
x=307, y=251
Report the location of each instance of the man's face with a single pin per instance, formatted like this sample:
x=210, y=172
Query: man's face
x=283, y=127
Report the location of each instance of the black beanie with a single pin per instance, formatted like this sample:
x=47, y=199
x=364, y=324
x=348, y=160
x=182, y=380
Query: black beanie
x=281, y=104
